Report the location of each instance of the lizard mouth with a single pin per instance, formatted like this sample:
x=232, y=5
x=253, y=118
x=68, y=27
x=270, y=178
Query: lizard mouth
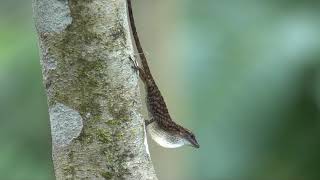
x=194, y=143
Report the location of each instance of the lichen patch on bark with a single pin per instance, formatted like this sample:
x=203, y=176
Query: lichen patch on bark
x=54, y=15
x=66, y=124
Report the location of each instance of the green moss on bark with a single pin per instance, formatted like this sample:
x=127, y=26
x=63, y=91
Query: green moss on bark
x=104, y=136
x=107, y=175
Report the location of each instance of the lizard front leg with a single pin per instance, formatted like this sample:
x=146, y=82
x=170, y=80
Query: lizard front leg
x=147, y=122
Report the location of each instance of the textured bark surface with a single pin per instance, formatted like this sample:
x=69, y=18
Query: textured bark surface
x=93, y=96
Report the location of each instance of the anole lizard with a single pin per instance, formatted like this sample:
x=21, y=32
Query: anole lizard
x=161, y=127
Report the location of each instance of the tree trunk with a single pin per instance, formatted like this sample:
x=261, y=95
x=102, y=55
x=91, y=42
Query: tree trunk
x=93, y=96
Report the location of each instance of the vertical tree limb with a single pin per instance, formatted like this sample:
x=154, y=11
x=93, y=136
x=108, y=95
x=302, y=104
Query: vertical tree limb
x=93, y=96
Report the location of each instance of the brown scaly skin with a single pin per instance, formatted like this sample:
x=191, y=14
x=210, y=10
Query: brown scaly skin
x=156, y=105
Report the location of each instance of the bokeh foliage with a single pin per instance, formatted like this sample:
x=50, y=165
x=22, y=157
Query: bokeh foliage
x=25, y=152
x=255, y=89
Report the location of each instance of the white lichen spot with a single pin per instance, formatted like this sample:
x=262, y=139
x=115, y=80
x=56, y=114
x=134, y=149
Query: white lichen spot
x=88, y=115
x=66, y=124
x=51, y=63
x=52, y=15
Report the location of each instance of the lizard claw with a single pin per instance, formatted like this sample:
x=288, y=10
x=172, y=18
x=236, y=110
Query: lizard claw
x=135, y=65
x=138, y=69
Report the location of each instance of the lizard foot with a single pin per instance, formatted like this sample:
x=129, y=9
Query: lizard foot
x=135, y=65
x=147, y=122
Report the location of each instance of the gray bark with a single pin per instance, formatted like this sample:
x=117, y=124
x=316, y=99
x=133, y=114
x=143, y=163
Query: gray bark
x=93, y=95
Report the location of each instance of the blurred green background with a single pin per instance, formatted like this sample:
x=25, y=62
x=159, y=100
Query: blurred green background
x=243, y=75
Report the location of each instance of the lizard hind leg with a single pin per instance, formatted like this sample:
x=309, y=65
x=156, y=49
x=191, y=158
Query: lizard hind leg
x=138, y=69
x=135, y=64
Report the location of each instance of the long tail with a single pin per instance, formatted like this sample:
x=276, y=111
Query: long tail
x=137, y=41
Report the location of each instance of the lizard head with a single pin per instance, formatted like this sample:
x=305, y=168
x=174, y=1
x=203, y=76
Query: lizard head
x=189, y=138
x=172, y=138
